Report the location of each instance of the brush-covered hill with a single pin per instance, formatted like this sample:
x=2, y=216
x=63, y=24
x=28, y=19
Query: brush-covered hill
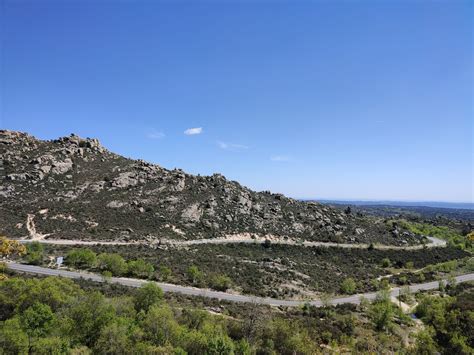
x=74, y=188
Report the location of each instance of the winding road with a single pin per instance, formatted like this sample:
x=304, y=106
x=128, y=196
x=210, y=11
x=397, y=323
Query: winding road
x=193, y=291
x=434, y=242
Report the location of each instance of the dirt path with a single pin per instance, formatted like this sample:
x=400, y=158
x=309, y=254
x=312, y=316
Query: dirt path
x=434, y=242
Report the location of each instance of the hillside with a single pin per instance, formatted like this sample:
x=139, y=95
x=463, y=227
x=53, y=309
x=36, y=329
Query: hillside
x=74, y=188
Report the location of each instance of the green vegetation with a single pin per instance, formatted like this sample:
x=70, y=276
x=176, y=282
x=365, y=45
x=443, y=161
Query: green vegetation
x=450, y=321
x=57, y=316
x=264, y=271
x=348, y=286
x=81, y=258
x=221, y=282
x=451, y=235
x=34, y=253
x=113, y=263
x=140, y=268
x=386, y=262
x=147, y=295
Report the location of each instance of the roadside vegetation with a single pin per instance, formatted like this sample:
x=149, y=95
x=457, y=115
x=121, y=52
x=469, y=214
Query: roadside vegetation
x=58, y=316
x=273, y=270
x=451, y=235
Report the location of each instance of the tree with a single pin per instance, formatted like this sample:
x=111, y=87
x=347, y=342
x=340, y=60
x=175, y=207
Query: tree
x=114, y=339
x=243, y=347
x=81, y=258
x=381, y=312
x=348, y=286
x=37, y=320
x=11, y=247
x=34, y=253
x=13, y=339
x=425, y=344
x=220, y=345
x=160, y=326
x=50, y=346
x=113, y=263
x=83, y=320
x=148, y=295
x=140, y=268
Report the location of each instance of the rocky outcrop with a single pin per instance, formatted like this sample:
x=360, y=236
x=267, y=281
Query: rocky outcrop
x=78, y=178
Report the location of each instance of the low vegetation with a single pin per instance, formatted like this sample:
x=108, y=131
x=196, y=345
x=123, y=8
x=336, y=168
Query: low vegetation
x=57, y=316
x=275, y=270
x=451, y=235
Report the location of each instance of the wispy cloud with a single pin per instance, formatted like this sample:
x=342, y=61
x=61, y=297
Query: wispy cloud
x=193, y=131
x=232, y=146
x=280, y=158
x=154, y=134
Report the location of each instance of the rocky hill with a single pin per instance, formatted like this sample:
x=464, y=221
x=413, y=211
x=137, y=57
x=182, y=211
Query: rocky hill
x=74, y=188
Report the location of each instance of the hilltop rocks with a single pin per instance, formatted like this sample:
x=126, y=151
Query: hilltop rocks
x=89, y=143
x=77, y=177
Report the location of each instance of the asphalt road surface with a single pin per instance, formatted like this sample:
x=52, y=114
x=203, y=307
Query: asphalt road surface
x=193, y=291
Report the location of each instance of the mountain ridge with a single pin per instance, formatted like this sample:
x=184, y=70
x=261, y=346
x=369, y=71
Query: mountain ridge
x=73, y=187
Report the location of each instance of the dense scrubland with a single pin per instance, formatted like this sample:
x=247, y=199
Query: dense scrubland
x=264, y=270
x=58, y=316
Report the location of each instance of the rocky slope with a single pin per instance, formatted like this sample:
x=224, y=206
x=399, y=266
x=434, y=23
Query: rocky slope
x=73, y=188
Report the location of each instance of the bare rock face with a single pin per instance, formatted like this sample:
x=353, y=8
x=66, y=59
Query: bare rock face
x=78, y=178
x=59, y=167
x=192, y=213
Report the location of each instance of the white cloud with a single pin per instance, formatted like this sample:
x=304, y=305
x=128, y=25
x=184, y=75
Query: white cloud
x=280, y=158
x=153, y=134
x=232, y=146
x=193, y=131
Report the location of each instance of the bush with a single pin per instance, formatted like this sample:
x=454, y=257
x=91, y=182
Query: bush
x=194, y=274
x=113, y=263
x=34, y=253
x=81, y=258
x=221, y=282
x=148, y=295
x=165, y=272
x=386, y=262
x=348, y=286
x=140, y=268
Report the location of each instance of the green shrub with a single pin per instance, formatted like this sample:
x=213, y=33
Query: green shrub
x=140, y=268
x=386, y=262
x=34, y=253
x=113, y=263
x=221, y=282
x=194, y=274
x=81, y=258
x=348, y=286
x=165, y=272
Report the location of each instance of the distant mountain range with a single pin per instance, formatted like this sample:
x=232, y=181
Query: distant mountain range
x=454, y=205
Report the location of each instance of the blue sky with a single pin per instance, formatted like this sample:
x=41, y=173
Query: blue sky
x=336, y=100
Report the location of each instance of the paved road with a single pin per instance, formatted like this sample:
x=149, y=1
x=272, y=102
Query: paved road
x=193, y=291
x=434, y=242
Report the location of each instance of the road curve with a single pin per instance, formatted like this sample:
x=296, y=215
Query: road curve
x=193, y=291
